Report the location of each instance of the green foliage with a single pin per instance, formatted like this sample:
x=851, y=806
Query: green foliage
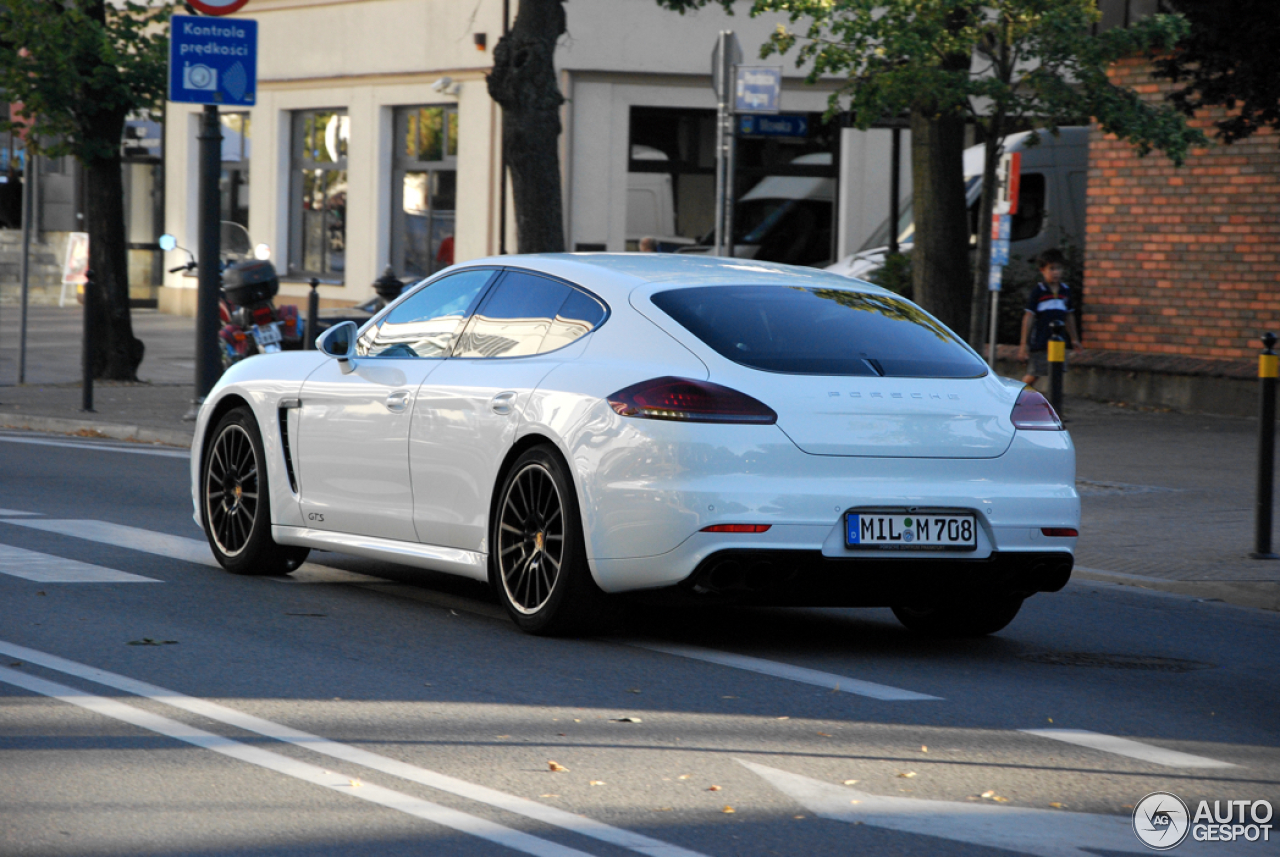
x=81, y=67
x=1228, y=58
x=894, y=275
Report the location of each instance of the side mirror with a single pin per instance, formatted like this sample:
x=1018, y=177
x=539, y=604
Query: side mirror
x=340, y=341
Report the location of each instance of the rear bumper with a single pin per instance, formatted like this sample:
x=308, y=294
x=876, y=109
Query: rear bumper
x=807, y=578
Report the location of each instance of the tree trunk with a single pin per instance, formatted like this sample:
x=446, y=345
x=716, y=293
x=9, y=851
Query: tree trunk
x=940, y=275
x=523, y=82
x=116, y=352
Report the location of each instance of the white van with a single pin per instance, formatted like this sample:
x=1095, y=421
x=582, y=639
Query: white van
x=651, y=206
x=1051, y=200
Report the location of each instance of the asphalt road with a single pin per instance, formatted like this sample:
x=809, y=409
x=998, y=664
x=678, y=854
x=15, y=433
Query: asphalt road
x=360, y=708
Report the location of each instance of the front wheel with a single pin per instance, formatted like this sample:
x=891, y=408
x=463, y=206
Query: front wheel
x=537, y=560
x=237, y=504
x=963, y=619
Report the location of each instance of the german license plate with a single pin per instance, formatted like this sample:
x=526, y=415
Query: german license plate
x=910, y=531
x=267, y=334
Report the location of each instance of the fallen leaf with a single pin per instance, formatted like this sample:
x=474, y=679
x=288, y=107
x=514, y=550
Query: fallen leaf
x=684, y=776
x=1056, y=805
x=727, y=810
x=502, y=736
x=782, y=718
x=556, y=766
x=1050, y=719
x=454, y=612
x=628, y=720
x=999, y=799
x=906, y=775
x=427, y=684
x=355, y=784
x=664, y=809
x=849, y=782
x=561, y=734
x=714, y=789
x=988, y=793
x=924, y=749
x=824, y=734
x=549, y=795
x=728, y=697
x=973, y=797
x=576, y=720
x=633, y=690
x=597, y=782
x=147, y=641
x=855, y=801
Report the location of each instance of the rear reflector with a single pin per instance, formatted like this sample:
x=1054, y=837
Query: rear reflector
x=737, y=528
x=1032, y=412
x=1060, y=532
x=686, y=400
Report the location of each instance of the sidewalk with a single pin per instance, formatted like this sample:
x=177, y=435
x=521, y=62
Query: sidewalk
x=1167, y=497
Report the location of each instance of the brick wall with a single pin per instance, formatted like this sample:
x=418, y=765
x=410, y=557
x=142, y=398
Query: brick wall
x=1181, y=260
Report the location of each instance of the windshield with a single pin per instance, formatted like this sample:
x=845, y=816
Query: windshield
x=815, y=331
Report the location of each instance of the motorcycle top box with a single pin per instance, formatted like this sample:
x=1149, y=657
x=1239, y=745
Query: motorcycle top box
x=250, y=282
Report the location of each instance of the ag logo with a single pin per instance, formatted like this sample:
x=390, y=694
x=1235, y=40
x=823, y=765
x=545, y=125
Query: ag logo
x=1161, y=821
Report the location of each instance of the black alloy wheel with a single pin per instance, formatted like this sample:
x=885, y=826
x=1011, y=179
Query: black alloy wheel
x=237, y=505
x=537, y=560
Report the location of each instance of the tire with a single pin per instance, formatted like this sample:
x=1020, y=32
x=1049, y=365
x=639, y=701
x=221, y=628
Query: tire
x=236, y=500
x=537, y=561
x=965, y=619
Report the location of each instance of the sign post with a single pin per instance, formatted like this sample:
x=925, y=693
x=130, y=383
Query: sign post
x=212, y=61
x=724, y=58
x=1008, y=177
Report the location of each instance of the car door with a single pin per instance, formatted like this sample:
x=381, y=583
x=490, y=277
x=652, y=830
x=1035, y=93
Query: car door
x=468, y=412
x=353, y=459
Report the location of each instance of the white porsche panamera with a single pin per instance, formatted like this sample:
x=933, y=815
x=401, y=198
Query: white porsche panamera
x=567, y=427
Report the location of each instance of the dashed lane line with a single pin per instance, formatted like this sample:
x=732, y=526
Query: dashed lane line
x=340, y=783
x=1128, y=747
x=355, y=755
x=47, y=568
x=830, y=681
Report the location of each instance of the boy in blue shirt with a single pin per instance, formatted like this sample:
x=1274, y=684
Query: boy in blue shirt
x=1050, y=301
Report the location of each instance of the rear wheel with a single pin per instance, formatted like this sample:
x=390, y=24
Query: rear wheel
x=537, y=561
x=963, y=619
x=237, y=504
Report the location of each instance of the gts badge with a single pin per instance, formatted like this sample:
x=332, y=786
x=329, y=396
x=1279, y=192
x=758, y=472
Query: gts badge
x=315, y=516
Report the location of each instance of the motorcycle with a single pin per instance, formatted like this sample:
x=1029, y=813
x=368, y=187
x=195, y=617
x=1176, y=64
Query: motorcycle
x=251, y=323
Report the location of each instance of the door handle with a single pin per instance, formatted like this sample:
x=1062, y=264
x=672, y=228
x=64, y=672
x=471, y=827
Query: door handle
x=397, y=401
x=501, y=403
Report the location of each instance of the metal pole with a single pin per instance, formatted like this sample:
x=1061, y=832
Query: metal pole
x=1268, y=368
x=502, y=155
x=28, y=207
x=721, y=108
x=731, y=166
x=208, y=362
x=995, y=310
x=86, y=355
x=895, y=189
x=313, y=315
x=1057, y=357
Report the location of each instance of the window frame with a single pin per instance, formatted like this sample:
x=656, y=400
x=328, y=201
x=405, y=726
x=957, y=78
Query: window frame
x=373, y=325
x=401, y=165
x=300, y=162
x=493, y=287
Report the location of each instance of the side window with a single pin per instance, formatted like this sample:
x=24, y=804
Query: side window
x=429, y=320
x=1029, y=220
x=514, y=318
x=578, y=316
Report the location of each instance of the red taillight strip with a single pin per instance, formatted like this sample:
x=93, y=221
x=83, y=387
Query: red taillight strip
x=737, y=528
x=688, y=400
x=1032, y=412
x=1060, y=532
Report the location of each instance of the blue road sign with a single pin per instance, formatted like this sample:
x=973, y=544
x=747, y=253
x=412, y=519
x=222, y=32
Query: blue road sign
x=994, y=275
x=1000, y=252
x=758, y=89
x=213, y=61
x=782, y=125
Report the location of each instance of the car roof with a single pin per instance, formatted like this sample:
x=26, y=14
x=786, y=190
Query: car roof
x=622, y=272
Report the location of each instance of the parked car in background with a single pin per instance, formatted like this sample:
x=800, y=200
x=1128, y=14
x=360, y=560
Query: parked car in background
x=1051, y=201
x=570, y=427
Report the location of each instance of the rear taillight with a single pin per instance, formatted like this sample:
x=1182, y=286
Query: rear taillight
x=1060, y=532
x=1034, y=413
x=686, y=400
x=737, y=528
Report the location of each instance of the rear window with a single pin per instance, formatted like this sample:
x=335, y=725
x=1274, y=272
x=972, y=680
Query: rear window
x=802, y=331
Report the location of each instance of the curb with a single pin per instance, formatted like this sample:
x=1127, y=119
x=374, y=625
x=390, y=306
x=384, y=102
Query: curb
x=1261, y=594
x=118, y=431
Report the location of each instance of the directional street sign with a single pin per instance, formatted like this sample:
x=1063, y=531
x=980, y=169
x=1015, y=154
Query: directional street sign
x=213, y=61
x=758, y=88
x=782, y=125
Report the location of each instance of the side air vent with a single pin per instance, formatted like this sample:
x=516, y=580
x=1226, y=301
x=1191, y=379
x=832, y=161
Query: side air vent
x=284, y=442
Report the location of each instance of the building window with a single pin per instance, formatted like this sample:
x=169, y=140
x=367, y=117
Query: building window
x=423, y=189
x=318, y=194
x=233, y=185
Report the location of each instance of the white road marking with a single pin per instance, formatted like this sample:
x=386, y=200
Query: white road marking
x=830, y=681
x=14, y=513
x=100, y=447
x=340, y=783
x=1127, y=747
x=46, y=568
x=441, y=782
x=1042, y=832
x=174, y=547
